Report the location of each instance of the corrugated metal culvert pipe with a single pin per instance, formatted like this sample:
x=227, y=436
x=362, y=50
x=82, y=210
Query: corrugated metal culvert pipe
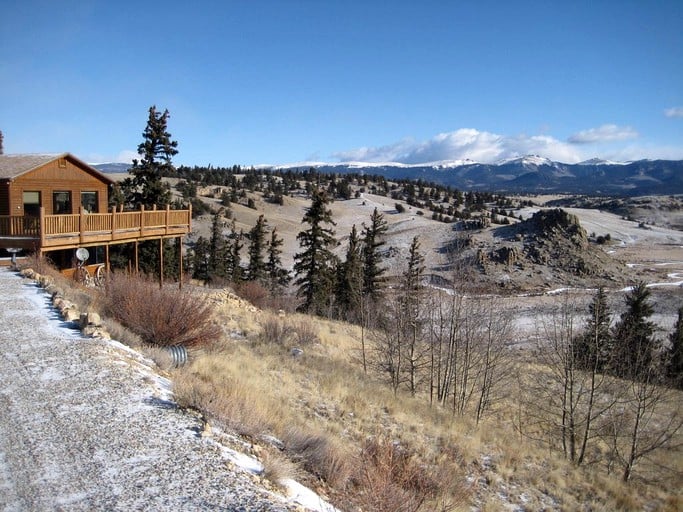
x=178, y=355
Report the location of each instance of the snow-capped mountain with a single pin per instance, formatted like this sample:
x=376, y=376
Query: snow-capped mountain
x=528, y=174
x=112, y=167
x=533, y=174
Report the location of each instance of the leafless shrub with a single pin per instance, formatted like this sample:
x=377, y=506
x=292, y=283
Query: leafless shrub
x=392, y=479
x=254, y=292
x=275, y=330
x=318, y=455
x=40, y=264
x=305, y=331
x=160, y=316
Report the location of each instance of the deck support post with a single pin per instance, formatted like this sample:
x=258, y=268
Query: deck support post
x=161, y=262
x=180, y=262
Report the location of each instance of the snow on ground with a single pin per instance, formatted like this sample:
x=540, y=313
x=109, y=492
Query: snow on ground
x=88, y=424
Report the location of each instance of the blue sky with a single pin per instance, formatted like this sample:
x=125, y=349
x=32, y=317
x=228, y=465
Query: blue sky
x=274, y=82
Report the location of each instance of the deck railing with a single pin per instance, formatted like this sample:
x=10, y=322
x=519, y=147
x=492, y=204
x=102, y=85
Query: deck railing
x=56, y=231
x=25, y=227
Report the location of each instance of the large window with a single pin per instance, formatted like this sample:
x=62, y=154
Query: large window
x=61, y=203
x=89, y=202
x=32, y=204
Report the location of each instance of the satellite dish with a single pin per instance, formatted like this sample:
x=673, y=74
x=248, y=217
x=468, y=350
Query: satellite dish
x=82, y=254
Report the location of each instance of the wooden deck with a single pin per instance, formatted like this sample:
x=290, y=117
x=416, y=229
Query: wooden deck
x=53, y=232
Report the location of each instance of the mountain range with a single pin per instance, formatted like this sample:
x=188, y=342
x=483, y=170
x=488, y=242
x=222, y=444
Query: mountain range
x=529, y=174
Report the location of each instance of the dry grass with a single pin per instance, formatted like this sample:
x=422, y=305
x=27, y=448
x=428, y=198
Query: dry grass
x=319, y=454
x=277, y=467
x=329, y=406
x=275, y=329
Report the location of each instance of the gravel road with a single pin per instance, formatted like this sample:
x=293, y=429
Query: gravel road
x=85, y=424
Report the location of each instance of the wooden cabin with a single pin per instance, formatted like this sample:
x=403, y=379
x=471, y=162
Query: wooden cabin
x=51, y=203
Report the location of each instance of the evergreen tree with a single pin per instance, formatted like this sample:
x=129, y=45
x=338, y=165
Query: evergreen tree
x=675, y=362
x=145, y=186
x=593, y=348
x=216, y=249
x=315, y=265
x=2, y=140
x=350, y=280
x=233, y=265
x=411, y=305
x=413, y=275
x=200, y=259
x=634, y=336
x=372, y=241
x=256, y=270
x=278, y=277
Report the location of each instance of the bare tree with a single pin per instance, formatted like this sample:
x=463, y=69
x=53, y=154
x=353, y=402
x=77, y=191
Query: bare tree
x=468, y=360
x=564, y=395
x=645, y=421
x=389, y=342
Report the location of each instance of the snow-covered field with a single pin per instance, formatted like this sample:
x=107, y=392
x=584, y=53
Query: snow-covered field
x=88, y=424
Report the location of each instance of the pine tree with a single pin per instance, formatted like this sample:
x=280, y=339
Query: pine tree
x=216, y=249
x=675, y=362
x=2, y=140
x=315, y=265
x=413, y=275
x=592, y=349
x=350, y=280
x=145, y=186
x=372, y=241
x=233, y=265
x=633, y=336
x=200, y=259
x=256, y=270
x=278, y=277
x=411, y=305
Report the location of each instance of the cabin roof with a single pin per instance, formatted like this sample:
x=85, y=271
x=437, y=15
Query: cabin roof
x=13, y=166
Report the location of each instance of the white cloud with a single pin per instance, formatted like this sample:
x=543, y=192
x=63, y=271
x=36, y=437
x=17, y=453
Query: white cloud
x=465, y=143
x=674, y=112
x=632, y=153
x=126, y=156
x=605, y=133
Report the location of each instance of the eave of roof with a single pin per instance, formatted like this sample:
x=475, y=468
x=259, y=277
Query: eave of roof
x=13, y=166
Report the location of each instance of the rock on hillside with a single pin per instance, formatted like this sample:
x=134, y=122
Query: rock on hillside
x=550, y=248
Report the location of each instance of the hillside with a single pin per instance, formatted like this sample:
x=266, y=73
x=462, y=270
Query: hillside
x=631, y=244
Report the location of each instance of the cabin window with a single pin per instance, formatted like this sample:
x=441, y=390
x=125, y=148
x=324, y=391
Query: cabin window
x=61, y=202
x=31, y=203
x=89, y=202
x=62, y=163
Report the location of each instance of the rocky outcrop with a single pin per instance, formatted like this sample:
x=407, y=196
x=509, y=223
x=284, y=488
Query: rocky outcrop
x=506, y=255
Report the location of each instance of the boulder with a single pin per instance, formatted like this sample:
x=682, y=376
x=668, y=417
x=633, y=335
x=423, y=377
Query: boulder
x=90, y=318
x=71, y=314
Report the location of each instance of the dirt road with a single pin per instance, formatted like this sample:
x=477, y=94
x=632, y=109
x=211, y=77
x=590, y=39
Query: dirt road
x=87, y=425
